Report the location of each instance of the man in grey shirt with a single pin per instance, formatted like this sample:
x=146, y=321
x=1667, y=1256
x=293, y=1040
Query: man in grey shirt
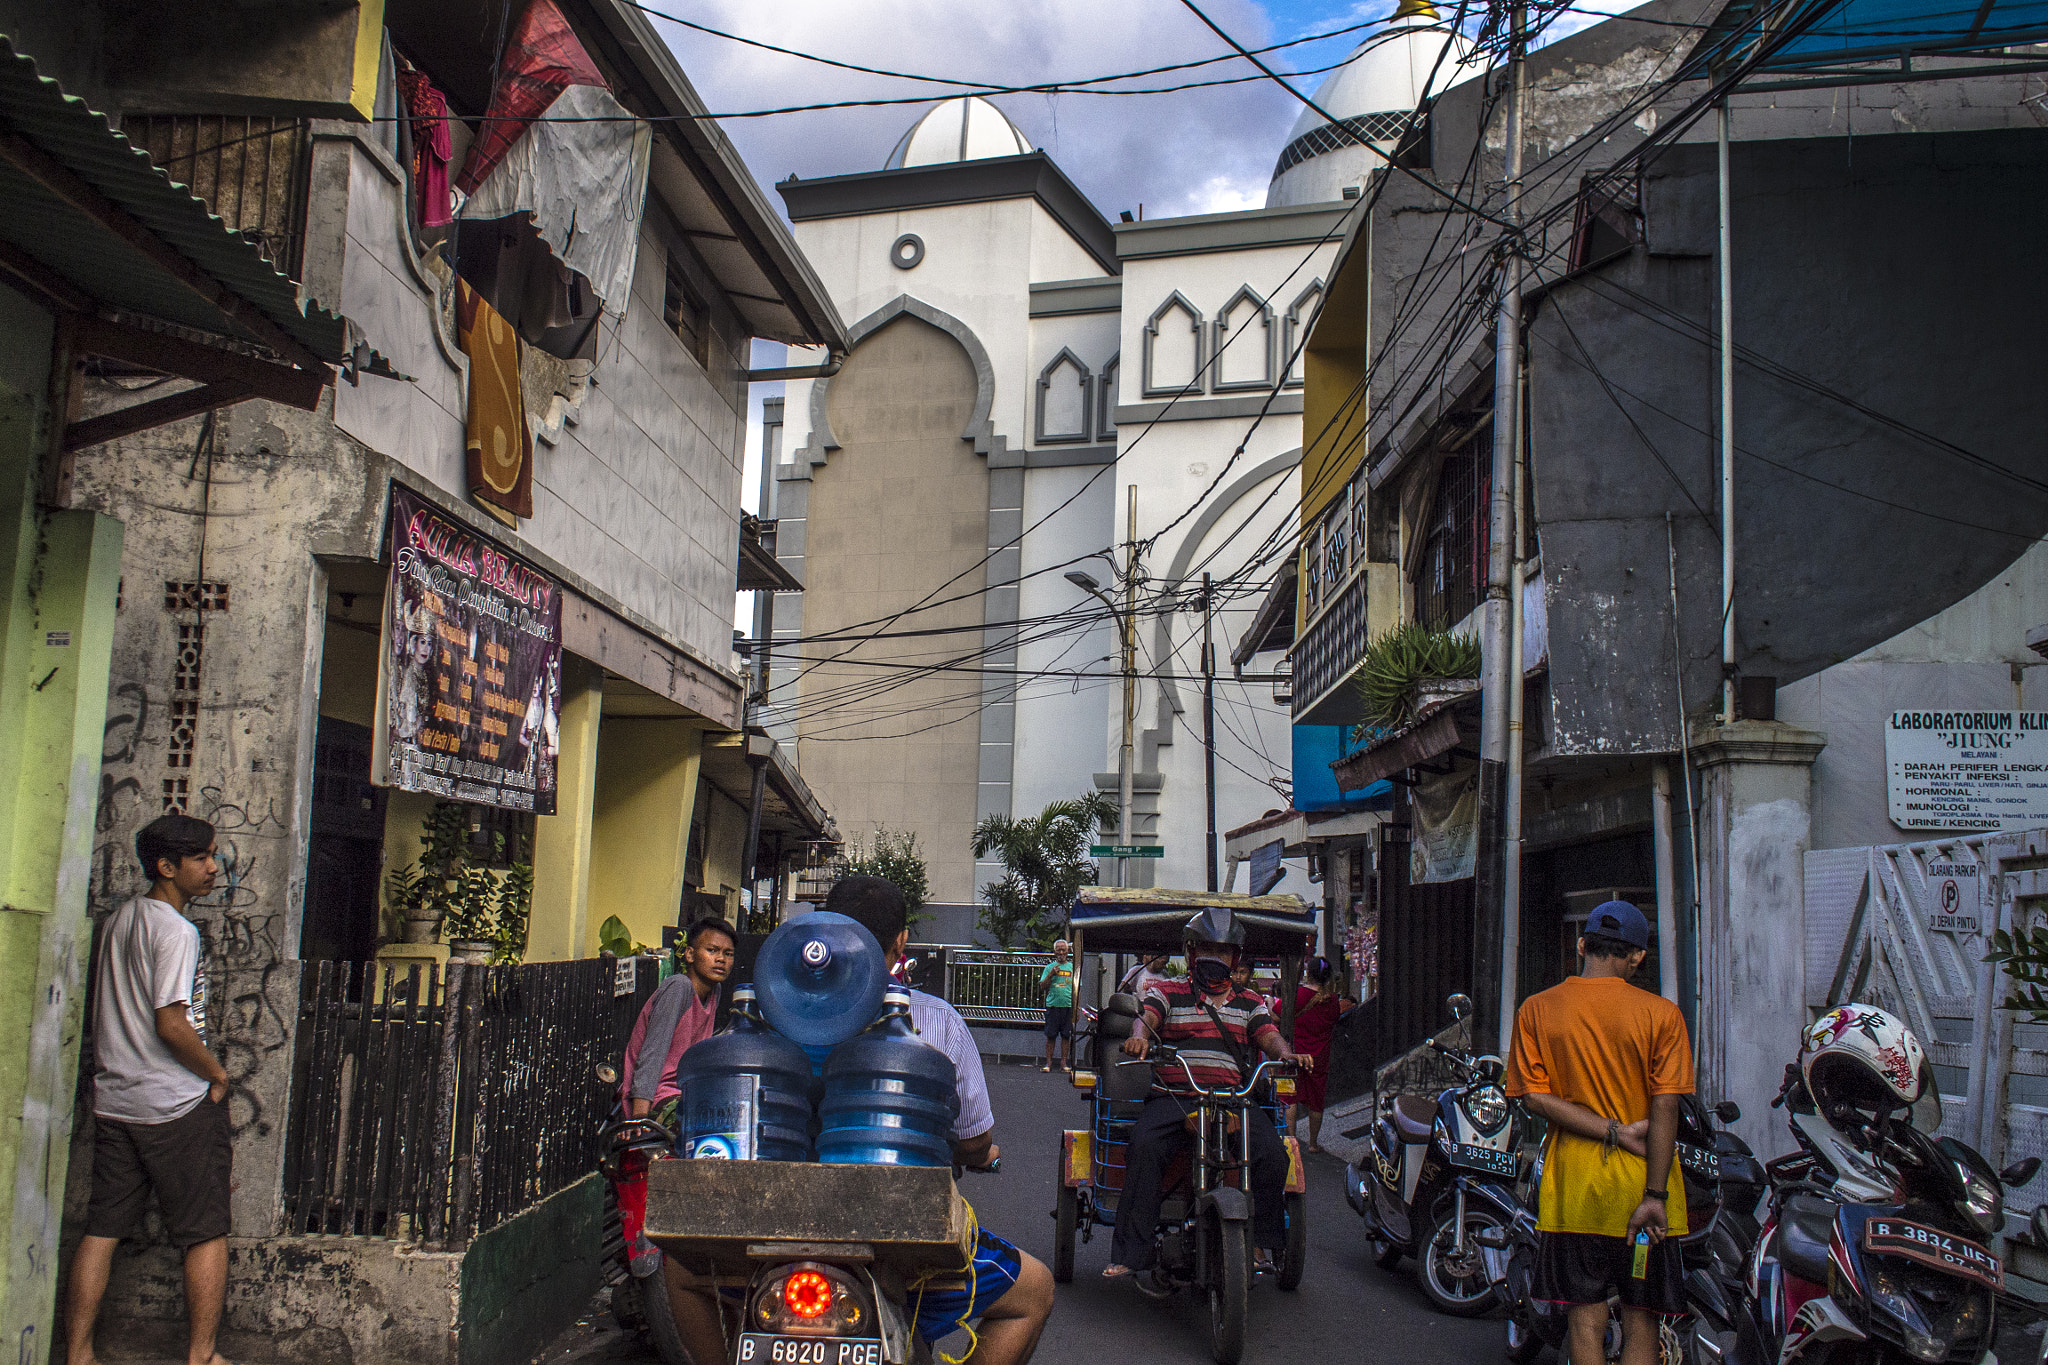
x=159, y=1097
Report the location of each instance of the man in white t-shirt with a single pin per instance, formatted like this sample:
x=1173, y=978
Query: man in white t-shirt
x=160, y=1112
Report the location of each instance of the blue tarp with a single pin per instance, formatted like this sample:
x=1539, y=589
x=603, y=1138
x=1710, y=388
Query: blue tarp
x=1316, y=747
x=1849, y=40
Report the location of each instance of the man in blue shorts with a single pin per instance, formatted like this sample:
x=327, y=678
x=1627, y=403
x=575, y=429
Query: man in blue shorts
x=1009, y=1291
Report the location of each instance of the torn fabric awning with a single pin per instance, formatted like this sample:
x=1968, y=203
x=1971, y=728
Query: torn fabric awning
x=562, y=158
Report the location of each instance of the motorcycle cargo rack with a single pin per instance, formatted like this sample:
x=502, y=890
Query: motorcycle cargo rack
x=724, y=1215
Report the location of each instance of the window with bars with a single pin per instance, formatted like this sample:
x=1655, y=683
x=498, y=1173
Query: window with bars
x=1451, y=570
x=251, y=171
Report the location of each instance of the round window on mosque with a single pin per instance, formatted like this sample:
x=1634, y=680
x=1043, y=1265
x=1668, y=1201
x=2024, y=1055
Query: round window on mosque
x=907, y=252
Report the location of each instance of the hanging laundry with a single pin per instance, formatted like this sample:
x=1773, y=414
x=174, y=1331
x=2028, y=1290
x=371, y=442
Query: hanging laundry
x=498, y=441
x=432, y=147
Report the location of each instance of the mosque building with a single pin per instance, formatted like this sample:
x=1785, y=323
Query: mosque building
x=985, y=438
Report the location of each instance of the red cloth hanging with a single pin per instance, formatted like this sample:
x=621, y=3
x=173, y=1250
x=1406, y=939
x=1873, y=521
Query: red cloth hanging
x=542, y=59
x=432, y=147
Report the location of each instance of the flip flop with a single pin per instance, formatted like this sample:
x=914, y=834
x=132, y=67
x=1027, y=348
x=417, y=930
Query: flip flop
x=1117, y=1272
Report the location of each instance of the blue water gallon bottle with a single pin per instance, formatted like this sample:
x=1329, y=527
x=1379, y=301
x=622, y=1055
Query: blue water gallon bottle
x=747, y=1093
x=890, y=1098
x=820, y=977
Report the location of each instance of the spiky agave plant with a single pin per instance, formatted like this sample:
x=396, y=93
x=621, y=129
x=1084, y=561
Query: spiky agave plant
x=1402, y=657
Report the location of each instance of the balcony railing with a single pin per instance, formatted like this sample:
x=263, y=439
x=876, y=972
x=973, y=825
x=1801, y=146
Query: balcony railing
x=1328, y=651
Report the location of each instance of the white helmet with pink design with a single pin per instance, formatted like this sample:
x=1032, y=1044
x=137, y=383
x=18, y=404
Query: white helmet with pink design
x=1865, y=1058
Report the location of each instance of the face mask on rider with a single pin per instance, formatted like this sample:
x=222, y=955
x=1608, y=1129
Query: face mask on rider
x=1210, y=973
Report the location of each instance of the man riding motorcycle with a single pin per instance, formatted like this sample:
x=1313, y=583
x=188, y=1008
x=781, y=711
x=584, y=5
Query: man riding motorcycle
x=1213, y=1025
x=1009, y=1291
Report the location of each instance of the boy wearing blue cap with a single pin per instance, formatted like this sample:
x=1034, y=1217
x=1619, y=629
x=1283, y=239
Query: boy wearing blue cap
x=1605, y=1063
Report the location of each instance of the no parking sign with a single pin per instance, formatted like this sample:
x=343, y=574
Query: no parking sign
x=1953, y=896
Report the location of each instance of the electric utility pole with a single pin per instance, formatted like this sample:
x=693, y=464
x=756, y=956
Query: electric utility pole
x=1490, y=881
x=1209, y=723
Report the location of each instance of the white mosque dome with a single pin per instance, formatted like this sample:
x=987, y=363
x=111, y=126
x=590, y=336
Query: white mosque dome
x=964, y=129
x=1373, y=96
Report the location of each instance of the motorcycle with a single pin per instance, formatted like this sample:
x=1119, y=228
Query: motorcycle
x=632, y=1264
x=1441, y=1182
x=1723, y=1183
x=1876, y=1241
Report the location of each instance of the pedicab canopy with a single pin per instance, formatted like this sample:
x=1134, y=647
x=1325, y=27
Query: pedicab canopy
x=1133, y=919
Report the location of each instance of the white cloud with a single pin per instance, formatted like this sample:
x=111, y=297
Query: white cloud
x=1177, y=153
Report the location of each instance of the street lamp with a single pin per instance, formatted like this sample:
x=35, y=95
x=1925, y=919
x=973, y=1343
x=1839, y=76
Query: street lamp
x=1125, y=764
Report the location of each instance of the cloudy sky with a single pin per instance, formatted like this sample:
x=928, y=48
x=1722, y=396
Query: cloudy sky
x=1195, y=151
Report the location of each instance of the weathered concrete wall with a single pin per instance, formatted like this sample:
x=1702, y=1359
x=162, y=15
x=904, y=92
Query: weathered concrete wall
x=361, y=1301
x=1755, y=801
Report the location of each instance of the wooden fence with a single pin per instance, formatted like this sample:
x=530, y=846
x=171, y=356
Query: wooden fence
x=430, y=1103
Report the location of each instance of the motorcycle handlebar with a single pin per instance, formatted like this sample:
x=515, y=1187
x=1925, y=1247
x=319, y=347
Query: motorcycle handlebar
x=1170, y=1055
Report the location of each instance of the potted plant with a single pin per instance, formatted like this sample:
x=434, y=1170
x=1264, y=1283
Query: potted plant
x=478, y=909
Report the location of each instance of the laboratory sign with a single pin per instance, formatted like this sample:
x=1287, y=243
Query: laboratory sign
x=1968, y=769
x=473, y=666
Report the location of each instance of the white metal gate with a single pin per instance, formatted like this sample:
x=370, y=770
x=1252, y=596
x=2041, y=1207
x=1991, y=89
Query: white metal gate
x=1906, y=927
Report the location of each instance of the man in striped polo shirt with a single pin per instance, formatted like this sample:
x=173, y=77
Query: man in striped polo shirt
x=1211, y=1024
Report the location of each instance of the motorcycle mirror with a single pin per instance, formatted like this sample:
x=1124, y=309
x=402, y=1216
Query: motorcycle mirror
x=2020, y=1172
x=2038, y=1225
x=607, y=1073
x=1461, y=1005
x=1728, y=1111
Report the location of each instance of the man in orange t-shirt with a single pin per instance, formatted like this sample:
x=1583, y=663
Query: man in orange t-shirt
x=1605, y=1063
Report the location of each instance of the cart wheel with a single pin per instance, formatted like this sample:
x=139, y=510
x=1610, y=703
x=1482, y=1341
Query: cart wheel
x=1230, y=1273
x=1066, y=1216
x=1294, y=1261
x=659, y=1319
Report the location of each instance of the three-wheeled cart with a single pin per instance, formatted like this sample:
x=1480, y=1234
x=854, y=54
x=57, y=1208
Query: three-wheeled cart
x=1209, y=1190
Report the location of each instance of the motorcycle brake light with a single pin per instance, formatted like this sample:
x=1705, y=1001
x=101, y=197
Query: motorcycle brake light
x=807, y=1294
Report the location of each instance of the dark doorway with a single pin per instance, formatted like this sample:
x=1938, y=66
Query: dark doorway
x=347, y=850
x=1560, y=885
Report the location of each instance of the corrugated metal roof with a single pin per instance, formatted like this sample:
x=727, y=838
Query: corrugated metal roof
x=99, y=262
x=1848, y=42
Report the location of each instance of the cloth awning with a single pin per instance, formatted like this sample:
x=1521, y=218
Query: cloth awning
x=559, y=151
x=95, y=225
x=1850, y=42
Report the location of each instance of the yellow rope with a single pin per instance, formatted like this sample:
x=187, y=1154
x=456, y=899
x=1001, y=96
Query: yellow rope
x=973, y=1284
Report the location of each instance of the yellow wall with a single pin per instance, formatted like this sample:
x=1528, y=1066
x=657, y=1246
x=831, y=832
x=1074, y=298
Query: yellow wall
x=725, y=849
x=646, y=789
x=560, y=926
x=1335, y=413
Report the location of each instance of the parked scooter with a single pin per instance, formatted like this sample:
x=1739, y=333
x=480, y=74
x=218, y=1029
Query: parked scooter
x=1876, y=1242
x=1437, y=1182
x=625, y=1146
x=1723, y=1183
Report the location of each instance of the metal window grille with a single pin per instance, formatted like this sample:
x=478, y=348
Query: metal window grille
x=1454, y=554
x=1331, y=647
x=252, y=172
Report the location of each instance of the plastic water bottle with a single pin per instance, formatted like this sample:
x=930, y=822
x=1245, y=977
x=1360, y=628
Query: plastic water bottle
x=747, y=1093
x=890, y=1098
x=820, y=978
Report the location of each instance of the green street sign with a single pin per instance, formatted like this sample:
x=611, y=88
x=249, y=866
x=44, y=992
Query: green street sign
x=1126, y=851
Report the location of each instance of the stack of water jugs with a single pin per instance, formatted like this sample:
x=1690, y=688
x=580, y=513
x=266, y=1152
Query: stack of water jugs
x=821, y=1056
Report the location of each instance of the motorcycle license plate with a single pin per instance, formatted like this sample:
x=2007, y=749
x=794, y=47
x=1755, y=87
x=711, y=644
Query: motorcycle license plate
x=1479, y=1158
x=758, y=1348
x=1932, y=1246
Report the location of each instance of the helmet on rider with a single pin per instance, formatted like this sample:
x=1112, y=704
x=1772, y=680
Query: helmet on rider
x=1862, y=1058
x=1214, y=928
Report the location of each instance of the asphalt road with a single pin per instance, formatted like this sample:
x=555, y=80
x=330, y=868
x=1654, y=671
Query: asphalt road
x=1346, y=1310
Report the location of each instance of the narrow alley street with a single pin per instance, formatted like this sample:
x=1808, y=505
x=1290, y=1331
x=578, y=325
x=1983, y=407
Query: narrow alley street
x=1343, y=1302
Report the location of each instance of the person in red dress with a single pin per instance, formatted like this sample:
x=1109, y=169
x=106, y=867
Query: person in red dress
x=1318, y=1004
